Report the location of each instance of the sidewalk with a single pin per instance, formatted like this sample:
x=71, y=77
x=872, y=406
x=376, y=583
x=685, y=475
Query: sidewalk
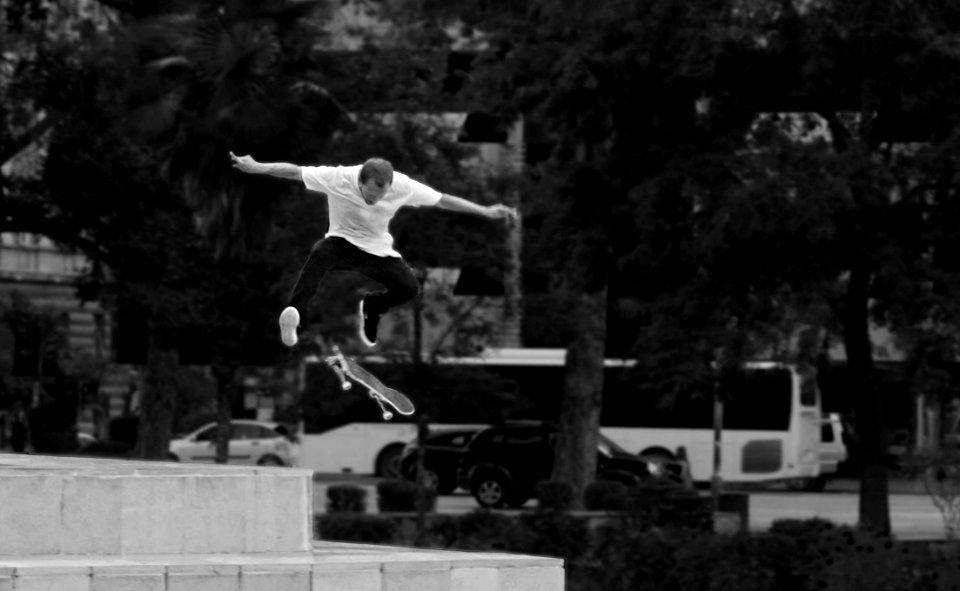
x=897, y=486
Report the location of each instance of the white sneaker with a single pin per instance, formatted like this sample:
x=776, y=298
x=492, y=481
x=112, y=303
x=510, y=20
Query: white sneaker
x=367, y=327
x=289, y=321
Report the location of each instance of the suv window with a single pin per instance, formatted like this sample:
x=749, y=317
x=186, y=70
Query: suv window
x=517, y=438
x=514, y=446
x=459, y=440
x=452, y=439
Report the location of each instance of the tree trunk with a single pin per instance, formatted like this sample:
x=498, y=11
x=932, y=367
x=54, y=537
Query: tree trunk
x=868, y=407
x=226, y=374
x=158, y=402
x=576, y=446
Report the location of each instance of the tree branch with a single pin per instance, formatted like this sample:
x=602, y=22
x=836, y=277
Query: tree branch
x=31, y=136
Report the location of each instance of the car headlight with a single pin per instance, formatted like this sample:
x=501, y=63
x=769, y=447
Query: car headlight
x=655, y=469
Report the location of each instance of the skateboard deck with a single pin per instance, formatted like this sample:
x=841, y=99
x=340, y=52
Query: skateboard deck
x=348, y=371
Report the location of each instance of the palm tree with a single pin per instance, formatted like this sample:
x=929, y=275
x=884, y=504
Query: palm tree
x=205, y=78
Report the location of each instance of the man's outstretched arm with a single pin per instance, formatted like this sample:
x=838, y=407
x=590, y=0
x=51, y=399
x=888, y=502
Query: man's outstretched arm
x=497, y=211
x=281, y=170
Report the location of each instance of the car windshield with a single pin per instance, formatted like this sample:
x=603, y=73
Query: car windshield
x=610, y=447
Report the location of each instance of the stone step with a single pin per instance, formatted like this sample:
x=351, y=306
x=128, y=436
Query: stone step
x=83, y=524
x=66, y=506
x=328, y=566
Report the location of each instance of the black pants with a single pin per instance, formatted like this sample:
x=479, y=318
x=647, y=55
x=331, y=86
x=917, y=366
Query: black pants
x=336, y=254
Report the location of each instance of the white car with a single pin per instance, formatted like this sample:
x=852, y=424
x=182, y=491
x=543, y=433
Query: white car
x=258, y=443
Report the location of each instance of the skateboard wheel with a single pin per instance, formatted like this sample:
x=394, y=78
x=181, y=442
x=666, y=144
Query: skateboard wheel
x=346, y=385
x=387, y=415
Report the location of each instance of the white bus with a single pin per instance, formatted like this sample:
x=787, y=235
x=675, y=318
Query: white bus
x=772, y=414
x=772, y=424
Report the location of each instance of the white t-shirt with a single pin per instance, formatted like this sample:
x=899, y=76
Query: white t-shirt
x=364, y=226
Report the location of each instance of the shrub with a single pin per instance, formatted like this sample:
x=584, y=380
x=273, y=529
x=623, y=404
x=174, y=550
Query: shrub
x=106, y=449
x=807, y=530
x=346, y=498
x=658, y=506
x=940, y=474
x=622, y=557
x=124, y=429
x=795, y=555
x=854, y=560
x=51, y=431
x=553, y=533
x=354, y=527
x=480, y=530
x=725, y=563
x=605, y=495
x=396, y=495
x=553, y=495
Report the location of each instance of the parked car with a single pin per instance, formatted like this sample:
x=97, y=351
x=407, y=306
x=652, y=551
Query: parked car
x=260, y=443
x=502, y=465
x=85, y=440
x=441, y=458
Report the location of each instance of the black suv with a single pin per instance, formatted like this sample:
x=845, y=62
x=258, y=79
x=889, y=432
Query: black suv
x=441, y=457
x=502, y=465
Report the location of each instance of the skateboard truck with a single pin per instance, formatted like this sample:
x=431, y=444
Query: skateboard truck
x=386, y=414
x=340, y=366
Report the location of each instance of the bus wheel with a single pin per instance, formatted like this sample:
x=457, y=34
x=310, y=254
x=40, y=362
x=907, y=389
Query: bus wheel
x=388, y=462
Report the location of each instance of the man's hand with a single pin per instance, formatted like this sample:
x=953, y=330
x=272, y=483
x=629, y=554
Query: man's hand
x=501, y=212
x=244, y=163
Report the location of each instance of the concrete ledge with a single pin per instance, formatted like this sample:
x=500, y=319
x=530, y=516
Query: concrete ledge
x=74, y=506
x=82, y=524
x=328, y=566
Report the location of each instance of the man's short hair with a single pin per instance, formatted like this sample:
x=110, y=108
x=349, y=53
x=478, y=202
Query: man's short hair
x=377, y=169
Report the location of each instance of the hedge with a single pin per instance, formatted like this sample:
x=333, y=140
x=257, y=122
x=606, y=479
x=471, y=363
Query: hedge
x=812, y=555
x=398, y=495
x=346, y=498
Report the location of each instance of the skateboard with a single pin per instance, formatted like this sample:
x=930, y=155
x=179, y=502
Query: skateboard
x=349, y=371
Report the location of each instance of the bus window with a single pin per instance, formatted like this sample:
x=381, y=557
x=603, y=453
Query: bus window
x=757, y=400
x=808, y=388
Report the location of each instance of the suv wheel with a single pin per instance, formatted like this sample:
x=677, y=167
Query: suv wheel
x=490, y=490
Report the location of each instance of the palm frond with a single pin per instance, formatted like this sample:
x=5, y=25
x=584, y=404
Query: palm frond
x=207, y=80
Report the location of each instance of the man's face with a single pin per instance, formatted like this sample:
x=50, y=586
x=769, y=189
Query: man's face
x=372, y=191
